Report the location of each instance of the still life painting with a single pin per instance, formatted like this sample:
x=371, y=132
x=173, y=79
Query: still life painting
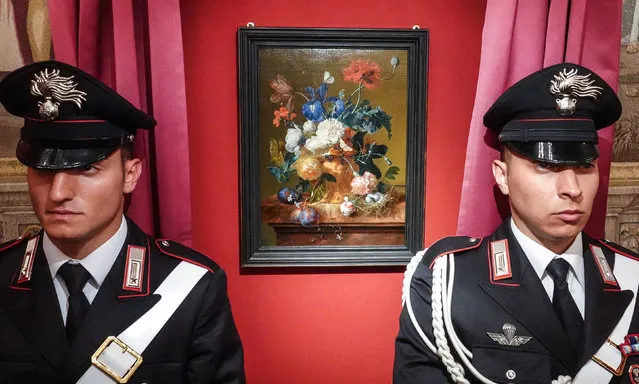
x=332, y=139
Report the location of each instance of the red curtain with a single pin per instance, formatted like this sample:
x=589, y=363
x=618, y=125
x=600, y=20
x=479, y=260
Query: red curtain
x=136, y=48
x=521, y=37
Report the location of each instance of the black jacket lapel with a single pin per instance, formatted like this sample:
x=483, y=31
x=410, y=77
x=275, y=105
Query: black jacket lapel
x=114, y=308
x=605, y=304
x=35, y=310
x=525, y=299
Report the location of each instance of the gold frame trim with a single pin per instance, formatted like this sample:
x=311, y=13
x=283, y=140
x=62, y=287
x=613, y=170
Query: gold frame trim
x=10, y=166
x=623, y=174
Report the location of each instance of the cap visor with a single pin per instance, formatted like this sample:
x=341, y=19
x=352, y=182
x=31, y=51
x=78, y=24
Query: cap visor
x=35, y=156
x=568, y=153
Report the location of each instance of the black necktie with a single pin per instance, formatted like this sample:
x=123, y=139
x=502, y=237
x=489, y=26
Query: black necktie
x=75, y=277
x=564, y=304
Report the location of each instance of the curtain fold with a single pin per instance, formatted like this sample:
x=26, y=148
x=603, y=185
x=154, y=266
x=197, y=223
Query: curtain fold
x=519, y=38
x=137, y=50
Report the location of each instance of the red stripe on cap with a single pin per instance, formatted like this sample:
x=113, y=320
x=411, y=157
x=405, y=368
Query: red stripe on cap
x=554, y=119
x=66, y=121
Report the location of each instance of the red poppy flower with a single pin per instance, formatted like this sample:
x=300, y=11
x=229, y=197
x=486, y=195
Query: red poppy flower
x=365, y=71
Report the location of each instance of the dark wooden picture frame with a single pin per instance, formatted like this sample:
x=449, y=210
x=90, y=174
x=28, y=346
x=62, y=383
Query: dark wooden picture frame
x=352, y=205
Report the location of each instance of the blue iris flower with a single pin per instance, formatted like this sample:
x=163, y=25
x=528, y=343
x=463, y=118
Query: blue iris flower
x=313, y=109
x=339, y=107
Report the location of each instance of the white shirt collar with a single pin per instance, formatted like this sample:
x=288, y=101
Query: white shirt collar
x=98, y=262
x=540, y=256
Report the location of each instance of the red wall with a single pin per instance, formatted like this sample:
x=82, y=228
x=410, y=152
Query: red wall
x=319, y=327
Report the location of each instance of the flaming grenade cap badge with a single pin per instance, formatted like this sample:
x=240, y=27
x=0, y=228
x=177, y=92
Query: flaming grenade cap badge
x=55, y=89
x=569, y=84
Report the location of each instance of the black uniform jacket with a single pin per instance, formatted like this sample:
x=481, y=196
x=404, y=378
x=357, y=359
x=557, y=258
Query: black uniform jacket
x=481, y=304
x=199, y=343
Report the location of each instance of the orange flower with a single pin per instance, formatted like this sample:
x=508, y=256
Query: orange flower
x=309, y=168
x=349, y=133
x=365, y=71
x=282, y=113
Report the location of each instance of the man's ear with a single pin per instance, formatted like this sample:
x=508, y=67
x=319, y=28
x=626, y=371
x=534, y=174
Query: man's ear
x=132, y=172
x=500, y=172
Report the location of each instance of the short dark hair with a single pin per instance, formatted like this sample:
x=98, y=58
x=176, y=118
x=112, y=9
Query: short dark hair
x=505, y=152
x=127, y=151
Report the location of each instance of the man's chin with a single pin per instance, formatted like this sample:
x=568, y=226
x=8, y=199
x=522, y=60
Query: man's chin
x=62, y=232
x=568, y=230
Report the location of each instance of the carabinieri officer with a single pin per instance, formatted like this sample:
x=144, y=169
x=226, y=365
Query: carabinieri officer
x=537, y=301
x=91, y=298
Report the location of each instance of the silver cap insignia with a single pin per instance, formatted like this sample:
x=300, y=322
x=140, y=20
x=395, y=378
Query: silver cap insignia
x=568, y=84
x=55, y=89
x=508, y=337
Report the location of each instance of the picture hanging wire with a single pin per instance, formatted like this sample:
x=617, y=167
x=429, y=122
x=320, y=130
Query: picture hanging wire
x=416, y=26
x=250, y=24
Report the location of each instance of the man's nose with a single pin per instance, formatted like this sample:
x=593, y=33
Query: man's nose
x=61, y=188
x=569, y=184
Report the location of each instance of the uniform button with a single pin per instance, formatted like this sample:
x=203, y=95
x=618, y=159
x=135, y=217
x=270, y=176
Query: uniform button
x=165, y=243
x=510, y=374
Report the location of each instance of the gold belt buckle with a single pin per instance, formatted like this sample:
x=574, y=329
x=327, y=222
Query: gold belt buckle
x=125, y=349
x=615, y=371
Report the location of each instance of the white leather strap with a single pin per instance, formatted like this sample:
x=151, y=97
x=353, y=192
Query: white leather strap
x=139, y=335
x=593, y=373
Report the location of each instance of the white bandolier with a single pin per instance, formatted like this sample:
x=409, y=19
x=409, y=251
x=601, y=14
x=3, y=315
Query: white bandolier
x=119, y=357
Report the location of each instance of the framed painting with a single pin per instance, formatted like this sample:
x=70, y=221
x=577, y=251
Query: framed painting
x=332, y=146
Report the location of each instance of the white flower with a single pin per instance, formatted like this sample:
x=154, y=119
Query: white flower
x=347, y=207
x=331, y=130
x=293, y=137
x=316, y=143
x=328, y=133
x=310, y=126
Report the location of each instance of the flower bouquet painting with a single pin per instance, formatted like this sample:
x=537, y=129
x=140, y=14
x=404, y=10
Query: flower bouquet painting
x=331, y=127
x=329, y=145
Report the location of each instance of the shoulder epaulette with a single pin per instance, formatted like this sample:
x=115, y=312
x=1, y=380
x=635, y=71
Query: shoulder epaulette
x=179, y=251
x=13, y=243
x=453, y=244
x=619, y=249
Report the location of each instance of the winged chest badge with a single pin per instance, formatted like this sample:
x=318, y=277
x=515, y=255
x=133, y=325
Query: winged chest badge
x=508, y=337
